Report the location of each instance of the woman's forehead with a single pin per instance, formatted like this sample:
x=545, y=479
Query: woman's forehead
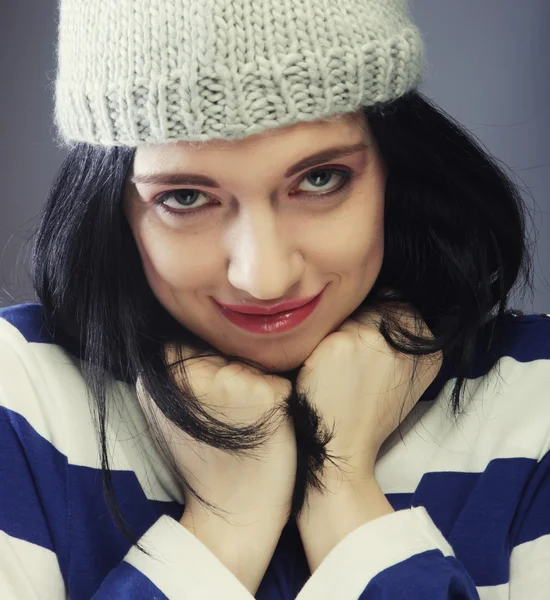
x=340, y=128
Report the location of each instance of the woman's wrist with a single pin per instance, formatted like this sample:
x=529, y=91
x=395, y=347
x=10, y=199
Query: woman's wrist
x=244, y=544
x=328, y=516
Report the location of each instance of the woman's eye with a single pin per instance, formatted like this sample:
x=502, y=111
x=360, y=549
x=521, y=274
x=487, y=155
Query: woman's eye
x=182, y=200
x=320, y=178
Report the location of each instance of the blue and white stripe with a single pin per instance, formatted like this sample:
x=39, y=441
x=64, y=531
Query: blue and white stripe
x=472, y=494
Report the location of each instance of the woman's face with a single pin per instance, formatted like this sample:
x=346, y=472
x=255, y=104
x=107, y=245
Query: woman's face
x=256, y=222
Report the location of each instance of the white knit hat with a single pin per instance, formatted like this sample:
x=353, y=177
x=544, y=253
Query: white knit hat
x=153, y=71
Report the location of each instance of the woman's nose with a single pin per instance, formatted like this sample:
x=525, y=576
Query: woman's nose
x=262, y=261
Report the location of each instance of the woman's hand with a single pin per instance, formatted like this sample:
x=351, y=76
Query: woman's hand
x=254, y=491
x=361, y=385
x=240, y=395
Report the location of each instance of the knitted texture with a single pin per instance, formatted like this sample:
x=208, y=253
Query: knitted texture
x=154, y=71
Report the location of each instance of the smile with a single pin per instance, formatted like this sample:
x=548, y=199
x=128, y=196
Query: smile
x=275, y=323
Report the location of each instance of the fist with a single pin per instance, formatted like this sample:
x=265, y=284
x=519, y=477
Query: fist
x=364, y=388
x=248, y=487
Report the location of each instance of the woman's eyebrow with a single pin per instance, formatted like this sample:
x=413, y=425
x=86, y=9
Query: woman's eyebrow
x=196, y=179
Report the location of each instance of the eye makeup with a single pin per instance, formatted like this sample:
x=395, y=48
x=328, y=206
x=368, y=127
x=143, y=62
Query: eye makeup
x=346, y=176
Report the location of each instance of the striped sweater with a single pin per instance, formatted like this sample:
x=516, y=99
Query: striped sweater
x=472, y=495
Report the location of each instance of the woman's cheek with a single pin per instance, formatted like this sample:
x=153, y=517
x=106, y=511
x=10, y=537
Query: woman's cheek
x=173, y=261
x=349, y=240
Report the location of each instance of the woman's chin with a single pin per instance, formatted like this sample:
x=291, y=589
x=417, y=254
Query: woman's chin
x=276, y=357
x=280, y=363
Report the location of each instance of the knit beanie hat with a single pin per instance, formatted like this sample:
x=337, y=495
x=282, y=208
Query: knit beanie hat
x=132, y=72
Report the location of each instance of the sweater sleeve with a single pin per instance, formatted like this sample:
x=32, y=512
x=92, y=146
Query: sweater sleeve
x=32, y=533
x=175, y=565
x=34, y=540
x=401, y=556
x=32, y=529
x=530, y=558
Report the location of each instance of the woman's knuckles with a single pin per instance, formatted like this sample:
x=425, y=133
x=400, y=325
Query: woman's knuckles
x=237, y=395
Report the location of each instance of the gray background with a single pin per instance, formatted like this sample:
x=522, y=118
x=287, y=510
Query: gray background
x=488, y=66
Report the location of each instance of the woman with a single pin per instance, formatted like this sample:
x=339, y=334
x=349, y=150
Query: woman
x=301, y=386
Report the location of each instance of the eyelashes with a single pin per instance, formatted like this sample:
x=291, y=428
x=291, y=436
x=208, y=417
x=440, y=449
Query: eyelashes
x=191, y=206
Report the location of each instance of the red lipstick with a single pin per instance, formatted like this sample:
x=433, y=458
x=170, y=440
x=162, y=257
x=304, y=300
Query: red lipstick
x=270, y=319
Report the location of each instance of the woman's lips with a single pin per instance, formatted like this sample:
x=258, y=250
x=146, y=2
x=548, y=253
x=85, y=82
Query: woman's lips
x=252, y=309
x=270, y=323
